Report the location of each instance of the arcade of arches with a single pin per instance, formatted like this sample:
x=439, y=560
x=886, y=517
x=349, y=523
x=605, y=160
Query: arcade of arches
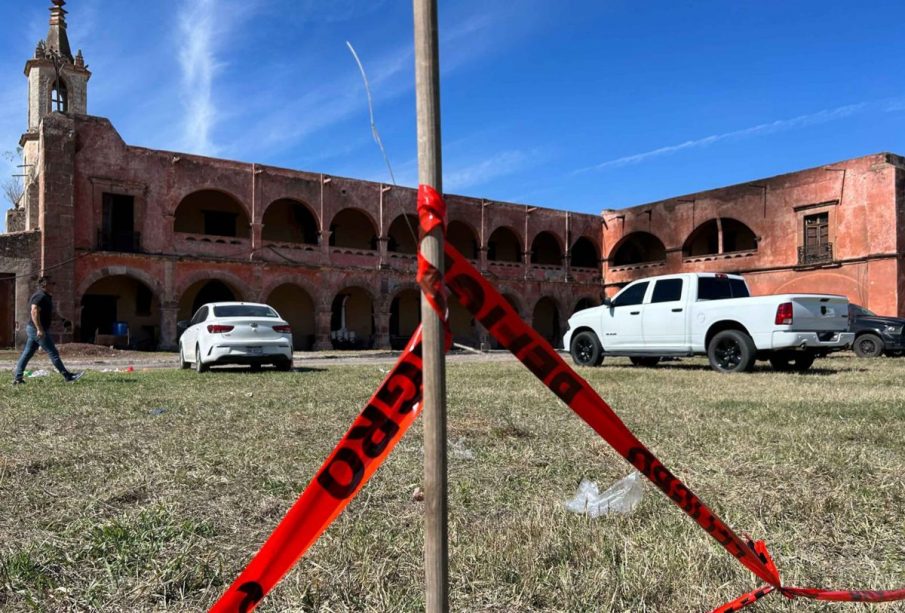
x=355, y=317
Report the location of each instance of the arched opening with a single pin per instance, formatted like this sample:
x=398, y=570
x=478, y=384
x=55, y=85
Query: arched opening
x=352, y=229
x=639, y=248
x=584, y=254
x=462, y=237
x=737, y=237
x=584, y=303
x=515, y=304
x=405, y=315
x=718, y=236
x=213, y=213
x=703, y=241
x=403, y=235
x=545, y=321
x=289, y=221
x=352, y=319
x=545, y=250
x=462, y=324
x=504, y=246
x=121, y=311
x=203, y=292
x=59, y=96
x=296, y=306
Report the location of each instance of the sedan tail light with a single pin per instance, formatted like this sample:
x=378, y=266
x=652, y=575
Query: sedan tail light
x=219, y=328
x=286, y=329
x=784, y=314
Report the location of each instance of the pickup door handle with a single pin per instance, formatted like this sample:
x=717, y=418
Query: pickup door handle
x=634, y=312
x=677, y=310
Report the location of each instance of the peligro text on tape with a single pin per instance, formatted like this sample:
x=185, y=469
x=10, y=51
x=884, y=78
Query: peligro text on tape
x=374, y=433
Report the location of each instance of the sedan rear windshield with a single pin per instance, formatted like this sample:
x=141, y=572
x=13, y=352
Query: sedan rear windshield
x=720, y=288
x=243, y=310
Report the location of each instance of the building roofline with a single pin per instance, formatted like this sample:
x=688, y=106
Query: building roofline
x=887, y=157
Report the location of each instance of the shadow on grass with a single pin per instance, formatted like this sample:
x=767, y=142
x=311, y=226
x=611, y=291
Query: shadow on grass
x=248, y=371
x=675, y=365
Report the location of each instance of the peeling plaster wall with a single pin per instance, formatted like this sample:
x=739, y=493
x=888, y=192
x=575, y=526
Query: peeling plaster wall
x=83, y=158
x=865, y=229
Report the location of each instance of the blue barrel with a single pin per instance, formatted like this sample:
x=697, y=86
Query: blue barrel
x=120, y=328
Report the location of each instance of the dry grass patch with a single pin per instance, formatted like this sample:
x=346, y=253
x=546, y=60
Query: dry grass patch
x=150, y=491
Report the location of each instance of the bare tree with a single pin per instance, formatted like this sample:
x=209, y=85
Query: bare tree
x=13, y=187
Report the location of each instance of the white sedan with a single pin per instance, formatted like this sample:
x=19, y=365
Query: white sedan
x=235, y=333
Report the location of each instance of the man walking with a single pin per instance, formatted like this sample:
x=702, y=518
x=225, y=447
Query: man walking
x=39, y=316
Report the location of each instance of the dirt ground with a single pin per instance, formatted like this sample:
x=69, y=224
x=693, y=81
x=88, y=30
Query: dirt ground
x=82, y=356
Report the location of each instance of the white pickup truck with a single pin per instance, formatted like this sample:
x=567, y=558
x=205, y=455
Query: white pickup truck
x=709, y=314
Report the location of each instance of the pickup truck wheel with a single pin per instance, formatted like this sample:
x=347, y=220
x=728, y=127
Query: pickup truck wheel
x=586, y=349
x=792, y=361
x=645, y=361
x=731, y=351
x=868, y=346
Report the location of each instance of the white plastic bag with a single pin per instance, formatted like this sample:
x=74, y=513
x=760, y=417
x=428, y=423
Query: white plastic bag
x=622, y=497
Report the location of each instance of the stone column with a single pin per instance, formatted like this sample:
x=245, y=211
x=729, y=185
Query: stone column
x=169, y=313
x=382, y=325
x=322, y=329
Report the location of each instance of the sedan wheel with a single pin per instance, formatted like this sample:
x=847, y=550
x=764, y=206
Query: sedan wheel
x=199, y=365
x=182, y=363
x=869, y=346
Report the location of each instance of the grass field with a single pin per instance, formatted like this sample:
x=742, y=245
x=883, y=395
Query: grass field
x=151, y=490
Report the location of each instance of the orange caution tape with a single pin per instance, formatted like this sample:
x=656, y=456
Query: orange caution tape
x=396, y=403
x=386, y=417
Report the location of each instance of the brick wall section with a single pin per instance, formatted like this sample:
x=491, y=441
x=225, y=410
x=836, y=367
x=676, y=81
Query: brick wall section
x=171, y=262
x=18, y=255
x=57, y=212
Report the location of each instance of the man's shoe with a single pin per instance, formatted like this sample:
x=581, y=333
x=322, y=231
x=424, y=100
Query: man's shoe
x=74, y=376
x=19, y=381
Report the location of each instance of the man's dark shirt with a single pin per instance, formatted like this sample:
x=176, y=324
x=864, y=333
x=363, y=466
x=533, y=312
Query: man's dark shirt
x=45, y=303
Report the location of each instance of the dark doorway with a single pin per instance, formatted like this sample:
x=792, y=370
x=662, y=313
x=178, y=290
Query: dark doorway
x=7, y=309
x=98, y=316
x=118, y=225
x=213, y=291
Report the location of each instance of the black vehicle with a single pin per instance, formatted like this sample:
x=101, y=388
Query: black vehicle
x=875, y=335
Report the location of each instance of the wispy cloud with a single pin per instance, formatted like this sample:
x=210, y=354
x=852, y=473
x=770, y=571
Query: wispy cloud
x=198, y=61
x=780, y=125
x=498, y=165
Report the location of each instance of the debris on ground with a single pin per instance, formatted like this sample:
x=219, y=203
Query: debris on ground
x=621, y=498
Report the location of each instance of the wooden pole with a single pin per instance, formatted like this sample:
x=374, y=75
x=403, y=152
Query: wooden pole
x=427, y=86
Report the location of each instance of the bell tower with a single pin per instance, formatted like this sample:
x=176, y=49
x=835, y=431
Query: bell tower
x=57, y=81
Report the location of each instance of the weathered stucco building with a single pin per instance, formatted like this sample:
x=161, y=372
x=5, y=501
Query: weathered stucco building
x=836, y=229
x=144, y=237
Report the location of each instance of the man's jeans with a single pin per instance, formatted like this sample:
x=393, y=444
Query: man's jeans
x=31, y=346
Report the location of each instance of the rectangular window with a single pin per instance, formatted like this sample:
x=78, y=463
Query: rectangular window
x=118, y=223
x=721, y=288
x=142, y=300
x=633, y=294
x=667, y=290
x=817, y=247
x=219, y=223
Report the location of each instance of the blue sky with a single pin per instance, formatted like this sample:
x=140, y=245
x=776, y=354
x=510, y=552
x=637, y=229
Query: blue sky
x=569, y=104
